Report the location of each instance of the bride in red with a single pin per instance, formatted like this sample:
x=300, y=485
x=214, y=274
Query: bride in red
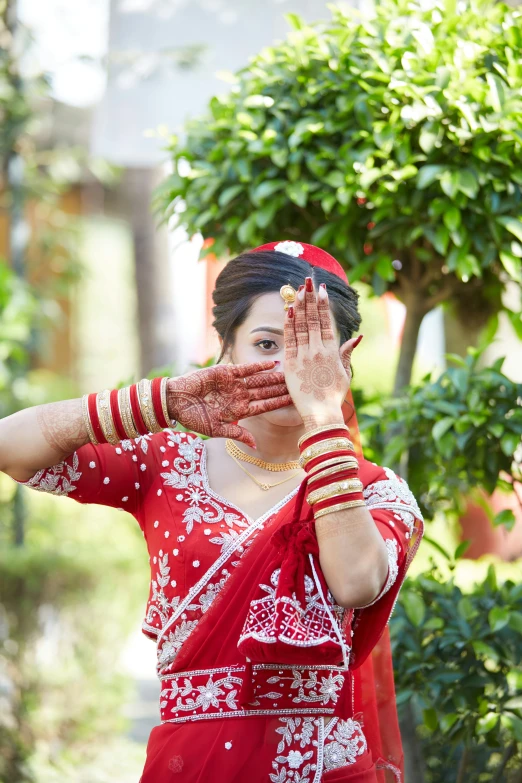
x=275, y=564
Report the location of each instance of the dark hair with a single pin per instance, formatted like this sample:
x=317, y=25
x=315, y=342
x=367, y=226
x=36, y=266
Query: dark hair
x=250, y=275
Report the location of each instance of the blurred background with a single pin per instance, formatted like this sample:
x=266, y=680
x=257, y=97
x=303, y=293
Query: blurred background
x=98, y=290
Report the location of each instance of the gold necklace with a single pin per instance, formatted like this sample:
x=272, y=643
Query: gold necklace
x=275, y=467
x=262, y=484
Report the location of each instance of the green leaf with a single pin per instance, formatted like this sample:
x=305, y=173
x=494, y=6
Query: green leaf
x=298, y=193
x=509, y=443
x=452, y=218
x=512, y=265
x=441, y=427
x=428, y=174
x=467, y=183
x=498, y=618
x=229, y=193
x=448, y=721
x=430, y=719
x=515, y=621
x=513, y=225
x=462, y=547
x=487, y=723
x=505, y=518
x=295, y=21
x=267, y=189
x=414, y=607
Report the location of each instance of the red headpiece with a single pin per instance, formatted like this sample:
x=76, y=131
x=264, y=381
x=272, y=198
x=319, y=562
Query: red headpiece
x=310, y=253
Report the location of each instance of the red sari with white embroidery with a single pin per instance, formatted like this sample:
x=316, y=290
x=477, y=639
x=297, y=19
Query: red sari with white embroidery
x=264, y=677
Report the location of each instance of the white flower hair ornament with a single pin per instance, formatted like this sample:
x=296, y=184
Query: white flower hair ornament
x=290, y=248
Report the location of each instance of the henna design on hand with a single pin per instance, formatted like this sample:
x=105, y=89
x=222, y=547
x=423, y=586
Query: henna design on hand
x=62, y=425
x=289, y=335
x=325, y=318
x=301, y=326
x=320, y=375
x=209, y=400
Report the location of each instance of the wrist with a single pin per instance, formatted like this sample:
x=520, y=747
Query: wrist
x=314, y=419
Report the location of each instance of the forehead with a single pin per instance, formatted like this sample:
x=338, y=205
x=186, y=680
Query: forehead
x=269, y=310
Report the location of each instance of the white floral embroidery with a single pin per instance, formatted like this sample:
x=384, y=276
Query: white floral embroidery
x=296, y=760
x=159, y=605
x=349, y=743
x=187, y=476
x=290, y=248
x=57, y=479
x=191, y=697
x=395, y=495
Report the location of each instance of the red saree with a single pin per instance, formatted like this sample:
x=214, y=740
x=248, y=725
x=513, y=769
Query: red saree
x=216, y=595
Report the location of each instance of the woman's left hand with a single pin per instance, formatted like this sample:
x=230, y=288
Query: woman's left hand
x=317, y=372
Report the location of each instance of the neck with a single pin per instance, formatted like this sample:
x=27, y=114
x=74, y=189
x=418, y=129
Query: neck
x=274, y=443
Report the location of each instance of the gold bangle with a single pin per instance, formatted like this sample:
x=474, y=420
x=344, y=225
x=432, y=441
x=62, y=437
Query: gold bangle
x=344, y=460
x=338, y=507
x=87, y=420
x=164, y=405
x=331, y=490
x=325, y=447
x=146, y=406
x=105, y=415
x=126, y=412
x=318, y=430
x=332, y=471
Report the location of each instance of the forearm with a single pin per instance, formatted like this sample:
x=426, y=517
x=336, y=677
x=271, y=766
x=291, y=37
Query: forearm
x=352, y=553
x=40, y=436
x=353, y=556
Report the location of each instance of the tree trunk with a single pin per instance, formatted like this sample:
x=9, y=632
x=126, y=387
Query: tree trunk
x=415, y=312
x=413, y=760
x=155, y=309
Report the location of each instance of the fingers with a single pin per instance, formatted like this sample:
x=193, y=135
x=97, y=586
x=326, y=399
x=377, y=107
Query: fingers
x=312, y=313
x=264, y=379
x=243, y=370
x=263, y=406
x=347, y=349
x=236, y=432
x=289, y=335
x=268, y=392
x=325, y=318
x=301, y=329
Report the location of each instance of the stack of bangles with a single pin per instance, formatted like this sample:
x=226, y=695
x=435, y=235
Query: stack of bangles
x=328, y=457
x=113, y=416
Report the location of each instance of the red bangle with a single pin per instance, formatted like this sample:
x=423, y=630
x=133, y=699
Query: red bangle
x=339, y=499
x=156, y=403
x=341, y=432
x=116, y=416
x=136, y=412
x=329, y=455
x=95, y=420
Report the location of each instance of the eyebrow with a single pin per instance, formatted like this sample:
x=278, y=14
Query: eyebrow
x=271, y=329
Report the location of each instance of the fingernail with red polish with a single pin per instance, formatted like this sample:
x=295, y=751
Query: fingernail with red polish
x=290, y=312
x=309, y=285
x=323, y=285
x=356, y=343
x=301, y=288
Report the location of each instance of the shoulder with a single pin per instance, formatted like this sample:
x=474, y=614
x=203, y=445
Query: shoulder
x=383, y=488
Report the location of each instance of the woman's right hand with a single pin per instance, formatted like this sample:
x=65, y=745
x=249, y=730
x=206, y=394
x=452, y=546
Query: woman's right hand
x=209, y=401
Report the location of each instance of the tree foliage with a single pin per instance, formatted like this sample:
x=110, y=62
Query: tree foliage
x=457, y=656
x=461, y=432
x=392, y=139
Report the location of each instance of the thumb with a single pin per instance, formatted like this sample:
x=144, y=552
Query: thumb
x=347, y=348
x=236, y=432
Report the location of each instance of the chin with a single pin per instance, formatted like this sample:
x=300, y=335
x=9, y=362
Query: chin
x=284, y=417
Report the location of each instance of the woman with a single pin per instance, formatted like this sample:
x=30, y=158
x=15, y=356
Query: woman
x=275, y=564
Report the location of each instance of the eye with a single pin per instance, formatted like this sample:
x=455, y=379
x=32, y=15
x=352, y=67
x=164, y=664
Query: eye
x=266, y=345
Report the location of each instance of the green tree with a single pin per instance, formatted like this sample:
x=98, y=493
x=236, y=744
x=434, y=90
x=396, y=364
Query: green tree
x=392, y=139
